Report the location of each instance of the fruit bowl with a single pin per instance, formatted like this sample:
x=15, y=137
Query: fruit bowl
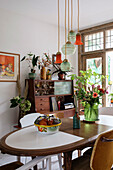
x=47, y=124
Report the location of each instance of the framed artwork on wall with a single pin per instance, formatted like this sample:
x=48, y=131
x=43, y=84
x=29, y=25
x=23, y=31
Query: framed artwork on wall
x=9, y=67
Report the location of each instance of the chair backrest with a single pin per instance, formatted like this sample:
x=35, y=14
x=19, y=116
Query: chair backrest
x=29, y=119
x=102, y=155
x=106, y=111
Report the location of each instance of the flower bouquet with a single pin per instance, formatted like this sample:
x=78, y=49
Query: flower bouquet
x=89, y=92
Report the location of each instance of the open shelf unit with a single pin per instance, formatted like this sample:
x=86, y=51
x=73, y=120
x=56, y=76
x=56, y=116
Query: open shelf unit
x=44, y=96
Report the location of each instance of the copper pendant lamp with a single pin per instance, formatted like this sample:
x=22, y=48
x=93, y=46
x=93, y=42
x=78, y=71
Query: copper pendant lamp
x=72, y=34
x=68, y=48
x=78, y=35
x=58, y=54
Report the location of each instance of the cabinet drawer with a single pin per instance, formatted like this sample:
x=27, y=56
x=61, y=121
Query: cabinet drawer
x=44, y=99
x=42, y=109
x=42, y=104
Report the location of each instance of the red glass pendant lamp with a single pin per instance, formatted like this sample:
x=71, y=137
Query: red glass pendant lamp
x=58, y=54
x=78, y=35
x=58, y=58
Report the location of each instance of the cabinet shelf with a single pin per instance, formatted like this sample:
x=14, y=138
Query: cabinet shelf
x=53, y=95
x=47, y=103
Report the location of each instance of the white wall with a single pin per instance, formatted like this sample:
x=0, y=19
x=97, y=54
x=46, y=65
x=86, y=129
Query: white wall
x=20, y=34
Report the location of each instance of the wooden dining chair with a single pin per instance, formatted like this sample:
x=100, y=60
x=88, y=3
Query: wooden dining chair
x=11, y=166
x=101, y=157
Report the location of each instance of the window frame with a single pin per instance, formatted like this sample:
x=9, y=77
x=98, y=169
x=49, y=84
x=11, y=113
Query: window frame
x=81, y=49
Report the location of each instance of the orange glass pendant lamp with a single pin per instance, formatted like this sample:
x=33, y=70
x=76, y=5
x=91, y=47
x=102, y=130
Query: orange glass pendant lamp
x=78, y=39
x=58, y=54
x=58, y=58
x=78, y=35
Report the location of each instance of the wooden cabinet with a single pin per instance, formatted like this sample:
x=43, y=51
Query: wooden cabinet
x=45, y=94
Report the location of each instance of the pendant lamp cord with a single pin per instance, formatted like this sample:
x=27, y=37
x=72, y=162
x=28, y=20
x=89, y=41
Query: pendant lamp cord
x=71, y=14
x=58, y=29
x=68, y=16
x=65, y=27
x=78, y=15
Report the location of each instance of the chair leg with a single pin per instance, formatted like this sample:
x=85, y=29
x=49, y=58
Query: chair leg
x=35, y=167
x=60, y=161
x=18, y=158
x=79, y=153
x=43, y=165
x=48, y=164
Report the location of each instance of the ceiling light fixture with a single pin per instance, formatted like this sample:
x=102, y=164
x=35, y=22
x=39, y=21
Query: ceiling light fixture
x=68, y=48
x=72, y=34
x=78, y=35
x=58, y=54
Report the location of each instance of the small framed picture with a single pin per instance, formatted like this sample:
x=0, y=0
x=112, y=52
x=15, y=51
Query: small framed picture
x=9, y=67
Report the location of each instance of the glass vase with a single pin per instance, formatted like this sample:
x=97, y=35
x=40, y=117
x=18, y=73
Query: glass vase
x=91, y=112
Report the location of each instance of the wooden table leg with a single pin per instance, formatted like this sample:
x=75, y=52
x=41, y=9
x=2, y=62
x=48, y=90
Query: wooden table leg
x=67, y=160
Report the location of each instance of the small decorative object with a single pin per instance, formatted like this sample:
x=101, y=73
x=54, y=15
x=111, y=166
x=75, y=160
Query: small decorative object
x=61, y=75
x=76, y=118
x=89, y=92
x=76, y=121
x=59, y=105
x=44, y=62
x=32, y=63
x=47, y=124
x=9, y=67
x=111, y=99
x=43, y=73
x=48, y=75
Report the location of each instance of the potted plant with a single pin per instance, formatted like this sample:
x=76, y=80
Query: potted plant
x=32, y=63
x=111, y=97
x=21, y=101
x=61, y=74
x=23, y=104
x=89, y=92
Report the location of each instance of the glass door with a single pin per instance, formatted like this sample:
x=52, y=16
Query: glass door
x=95, y=63
x=109, y=82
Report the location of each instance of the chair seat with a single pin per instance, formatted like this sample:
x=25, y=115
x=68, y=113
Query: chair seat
x=11, y=166
x=81, y=163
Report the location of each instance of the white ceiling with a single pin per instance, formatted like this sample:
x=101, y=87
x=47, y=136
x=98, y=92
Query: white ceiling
x=92, y=12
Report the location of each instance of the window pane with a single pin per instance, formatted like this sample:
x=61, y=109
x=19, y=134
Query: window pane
x=109, y=38
x=94, y=42
x=112, y=32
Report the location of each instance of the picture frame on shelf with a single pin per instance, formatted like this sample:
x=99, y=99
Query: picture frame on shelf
x=9, y=67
